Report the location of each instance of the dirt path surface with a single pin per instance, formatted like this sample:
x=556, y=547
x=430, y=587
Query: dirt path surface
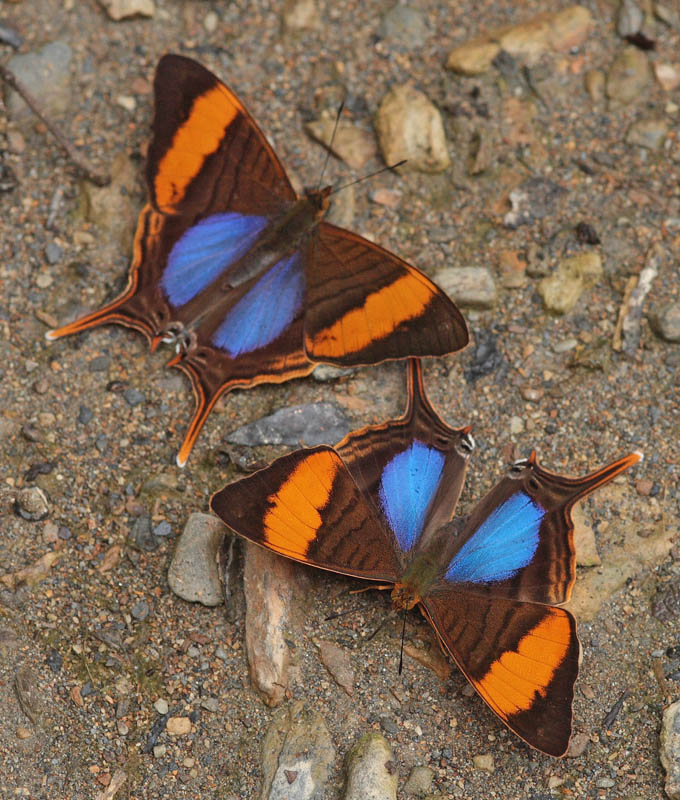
x=97, y=654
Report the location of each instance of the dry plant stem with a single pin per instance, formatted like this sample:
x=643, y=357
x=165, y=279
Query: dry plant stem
x=91, y=175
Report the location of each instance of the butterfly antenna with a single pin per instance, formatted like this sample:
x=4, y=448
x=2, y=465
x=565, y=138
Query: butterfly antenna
x=401, y=650
x=329, y=147
x=370, y=175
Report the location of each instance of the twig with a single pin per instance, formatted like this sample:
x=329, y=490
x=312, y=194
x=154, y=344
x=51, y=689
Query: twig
x=92, y=175
x=610, y=719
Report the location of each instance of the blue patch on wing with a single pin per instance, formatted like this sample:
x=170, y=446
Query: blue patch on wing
x=204, y=251
x=265, y=310
x=504, y=543
x=407, y=486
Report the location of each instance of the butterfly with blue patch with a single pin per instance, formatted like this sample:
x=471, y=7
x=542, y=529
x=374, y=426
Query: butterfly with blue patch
x=407, y=486
x=502, y=545
x=380, y=505
x=207, y=250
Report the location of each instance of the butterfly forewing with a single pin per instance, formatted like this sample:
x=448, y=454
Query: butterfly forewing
x=366, y=305
x=522, y=658
x=207, y=154
x=307, y=506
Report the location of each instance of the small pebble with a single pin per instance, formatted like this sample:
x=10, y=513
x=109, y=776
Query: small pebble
x=161, y=706
x=164, y=528
x=99, y=364
x=133, y=397
x=64, y=533
x=210, y=22
x=85, y=415
x=140, y=610
x=31, y=504
x=179, y=726
x=159, y=750
x=53, y=253
x=484, y=762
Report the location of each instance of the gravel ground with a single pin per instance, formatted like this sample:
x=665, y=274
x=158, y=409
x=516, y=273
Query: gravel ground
x=92, y=637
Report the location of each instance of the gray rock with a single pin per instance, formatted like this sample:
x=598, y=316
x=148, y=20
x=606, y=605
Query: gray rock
x=140, y=611
x=164, y=528
x=471, y=287
x=534, y=199
x=45, y=75
x=53, y=253
x=307, y=425
x=649, y=133
x=665, y=322
x=133, y=397
x=371, y=771
x=405, y=26
x=193, y=573
x=410, y=127
x=31, y=504
x=670, y=749
x=419, y=781
x=298, y=753
x=85, y=415
x=627, y=76
x=141, y=534
x=630, y=19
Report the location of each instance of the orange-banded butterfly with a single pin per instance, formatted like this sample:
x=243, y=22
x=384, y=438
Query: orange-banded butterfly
x=380, y=506
x=244, y=276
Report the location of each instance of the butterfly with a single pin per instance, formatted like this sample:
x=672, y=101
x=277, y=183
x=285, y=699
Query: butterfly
x=380, y=506
x=245, y=277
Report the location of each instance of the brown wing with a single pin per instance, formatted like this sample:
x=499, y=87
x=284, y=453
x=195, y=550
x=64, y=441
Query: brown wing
x=306, y=506
x=522, y=658
x=366, y=305
x=207, y=154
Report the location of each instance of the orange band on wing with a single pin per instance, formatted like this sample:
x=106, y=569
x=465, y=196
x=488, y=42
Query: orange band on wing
x=382, y=312
x=199, y=137
x=293, y=518
x=513, y=681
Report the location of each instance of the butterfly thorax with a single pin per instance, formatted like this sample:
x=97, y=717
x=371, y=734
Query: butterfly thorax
x=418, y=576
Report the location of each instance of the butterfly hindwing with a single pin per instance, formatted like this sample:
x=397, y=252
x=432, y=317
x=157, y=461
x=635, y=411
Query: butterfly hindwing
x=518, y=541
x=522, y=658
x=411, y=469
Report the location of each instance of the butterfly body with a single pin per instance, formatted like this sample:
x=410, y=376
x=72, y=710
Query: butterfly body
x=245, y=277
x=380, y=506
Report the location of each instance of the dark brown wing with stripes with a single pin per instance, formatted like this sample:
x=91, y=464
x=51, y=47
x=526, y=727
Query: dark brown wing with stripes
x=365, y=305
x=522, y=658
x=518, y=541
x=207, y=154
x=368, y=451
x=307, y=506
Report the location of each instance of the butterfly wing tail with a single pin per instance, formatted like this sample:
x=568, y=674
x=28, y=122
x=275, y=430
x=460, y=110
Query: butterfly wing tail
x=587, y=484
